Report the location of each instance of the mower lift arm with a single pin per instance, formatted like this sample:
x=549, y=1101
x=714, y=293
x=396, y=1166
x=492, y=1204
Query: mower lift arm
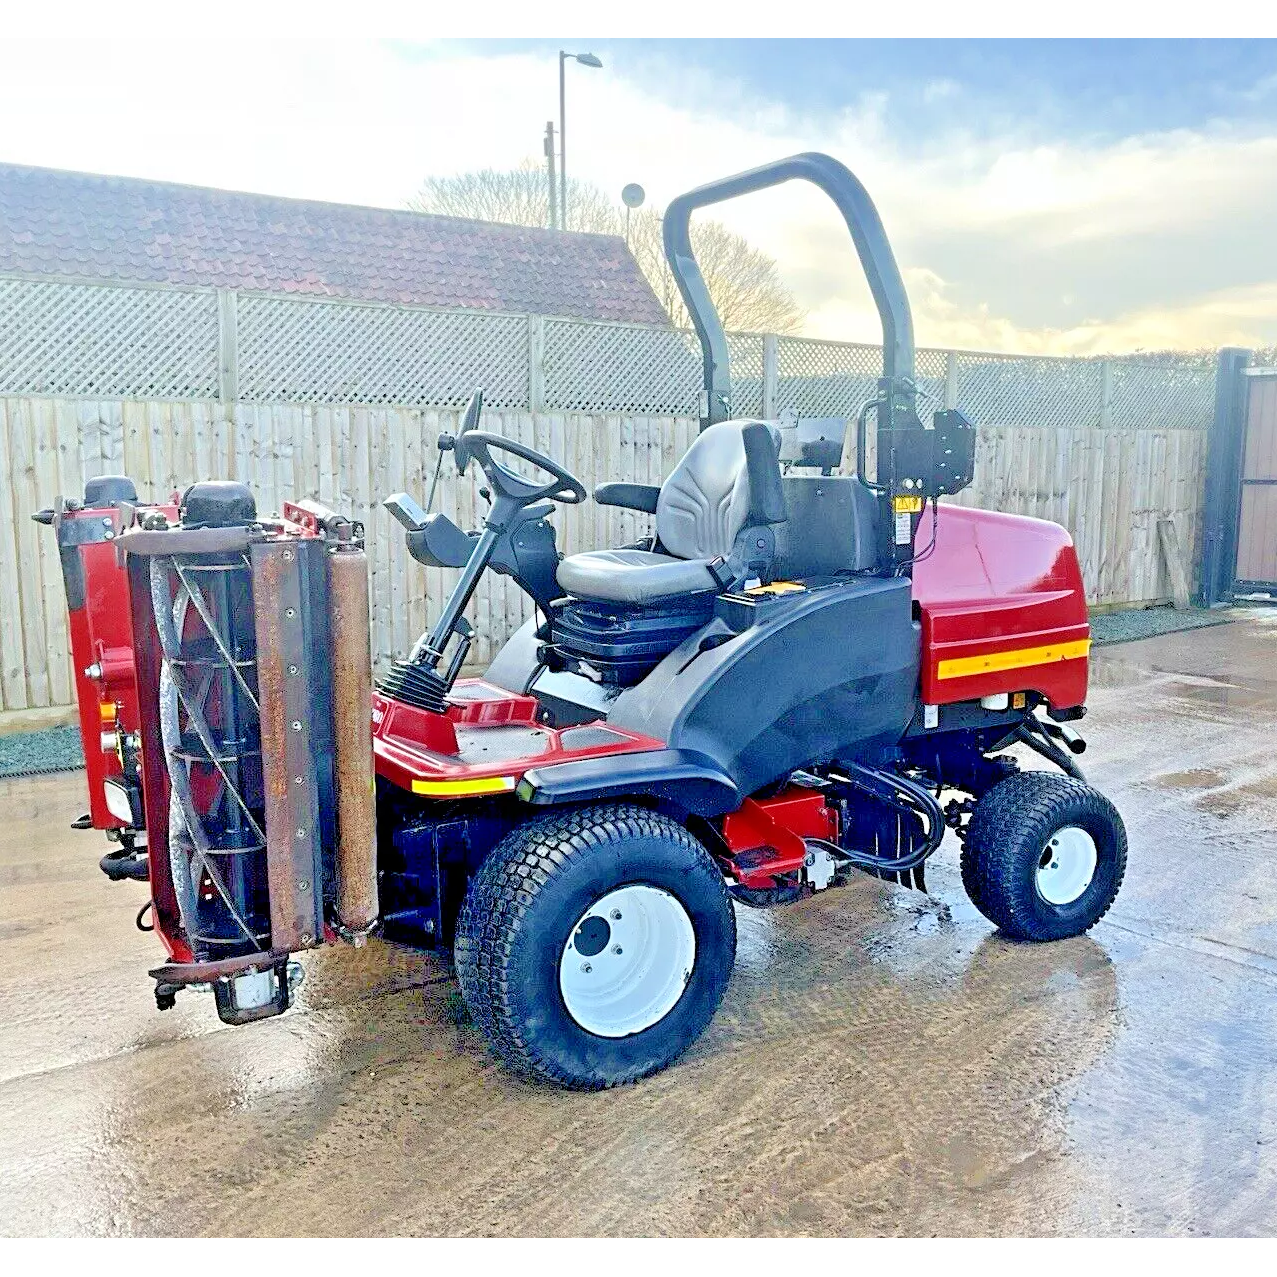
x=867, y=233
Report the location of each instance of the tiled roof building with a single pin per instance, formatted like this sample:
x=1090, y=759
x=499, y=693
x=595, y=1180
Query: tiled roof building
x=124, y=230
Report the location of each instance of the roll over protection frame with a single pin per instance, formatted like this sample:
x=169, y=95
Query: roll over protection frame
x=879, y=263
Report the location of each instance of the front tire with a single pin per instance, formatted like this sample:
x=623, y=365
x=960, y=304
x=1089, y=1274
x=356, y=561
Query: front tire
x=594, y=946
x=1044, y=856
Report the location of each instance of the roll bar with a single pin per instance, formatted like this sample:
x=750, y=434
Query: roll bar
x=847, y=192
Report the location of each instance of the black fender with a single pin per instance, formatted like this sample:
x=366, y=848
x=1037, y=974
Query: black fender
x=777, y=683
x=686, y=780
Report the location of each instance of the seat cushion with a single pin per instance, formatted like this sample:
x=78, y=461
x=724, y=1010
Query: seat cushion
x=633, y=576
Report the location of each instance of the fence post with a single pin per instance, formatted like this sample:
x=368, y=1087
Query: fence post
x=951, y=379
x=1226, y=446
x=1106, y=394
x=227, y=347
x=771, y=363
x=536, y=363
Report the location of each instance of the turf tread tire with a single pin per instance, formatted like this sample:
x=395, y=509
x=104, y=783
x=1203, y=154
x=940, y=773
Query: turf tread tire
x=1011, y=825
x=497, y=908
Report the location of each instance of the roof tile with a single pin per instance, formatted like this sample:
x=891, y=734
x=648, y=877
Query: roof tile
x=127, y=230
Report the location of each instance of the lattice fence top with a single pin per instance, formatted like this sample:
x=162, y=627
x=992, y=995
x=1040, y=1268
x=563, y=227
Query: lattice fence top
x=1161, y=396
x=96, y=340
x=625, y=368
x=130, y=343
x=748, y=362
x=825, y=378
x=293, y=351
x=829, y=378
x=999, y=390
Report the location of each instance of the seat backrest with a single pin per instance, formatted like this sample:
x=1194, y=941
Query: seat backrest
x=706, y=500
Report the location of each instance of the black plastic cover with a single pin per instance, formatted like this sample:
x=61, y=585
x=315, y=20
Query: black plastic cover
x=833, y=527
x=108, y=490
x=828, y=673
x=439, y=543
x=217, y=503
x=683, y=778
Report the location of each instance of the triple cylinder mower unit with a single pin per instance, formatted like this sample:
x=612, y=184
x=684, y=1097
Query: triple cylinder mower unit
x=798, y=675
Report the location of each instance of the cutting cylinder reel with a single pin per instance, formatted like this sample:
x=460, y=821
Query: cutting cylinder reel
x=254, y=684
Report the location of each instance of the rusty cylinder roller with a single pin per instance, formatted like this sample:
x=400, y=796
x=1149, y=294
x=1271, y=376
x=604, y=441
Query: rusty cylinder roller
x=357, y=905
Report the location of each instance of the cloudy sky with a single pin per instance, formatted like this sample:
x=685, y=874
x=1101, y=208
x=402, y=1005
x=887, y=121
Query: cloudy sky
x=1065, y=196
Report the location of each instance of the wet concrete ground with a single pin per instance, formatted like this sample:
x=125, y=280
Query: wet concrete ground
x=883, y=1062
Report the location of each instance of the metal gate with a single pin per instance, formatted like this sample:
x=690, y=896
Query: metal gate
x=1255, y=567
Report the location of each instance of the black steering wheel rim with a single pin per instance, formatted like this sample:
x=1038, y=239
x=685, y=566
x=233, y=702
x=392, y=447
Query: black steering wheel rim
x=565, y=488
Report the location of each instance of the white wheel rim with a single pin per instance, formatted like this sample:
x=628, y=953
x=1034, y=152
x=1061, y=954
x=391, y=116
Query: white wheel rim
x=627, y=961
x=1066, y=865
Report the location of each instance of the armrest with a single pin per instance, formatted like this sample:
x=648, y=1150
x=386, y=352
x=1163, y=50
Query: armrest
x=766, y=495
x=631, y=496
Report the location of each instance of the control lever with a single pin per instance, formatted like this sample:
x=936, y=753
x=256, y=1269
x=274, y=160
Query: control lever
x=445, y=443
x=465, y=634
x=406, y=511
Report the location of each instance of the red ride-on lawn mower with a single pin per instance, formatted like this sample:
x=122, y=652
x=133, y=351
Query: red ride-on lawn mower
x=797, y=677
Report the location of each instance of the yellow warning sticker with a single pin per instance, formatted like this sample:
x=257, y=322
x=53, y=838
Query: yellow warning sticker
x=996, y=662
x=907, y=505
x=464, y=788
x=778, y=587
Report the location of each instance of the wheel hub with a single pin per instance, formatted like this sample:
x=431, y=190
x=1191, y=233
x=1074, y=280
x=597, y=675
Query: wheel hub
x=1066, y=866
x=626, y=961
x=591, y=936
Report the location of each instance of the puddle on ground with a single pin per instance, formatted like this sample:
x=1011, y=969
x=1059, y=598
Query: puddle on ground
x=1194, y=778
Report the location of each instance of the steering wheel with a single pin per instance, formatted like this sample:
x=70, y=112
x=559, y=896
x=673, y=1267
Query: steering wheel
x=514, y=487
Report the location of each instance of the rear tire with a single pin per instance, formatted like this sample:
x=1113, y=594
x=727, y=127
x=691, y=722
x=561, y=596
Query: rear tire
x=1044, y=856
x=538, y=952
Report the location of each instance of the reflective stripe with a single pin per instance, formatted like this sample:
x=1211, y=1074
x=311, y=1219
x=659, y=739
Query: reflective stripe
x=992, y=662
x=464, y=788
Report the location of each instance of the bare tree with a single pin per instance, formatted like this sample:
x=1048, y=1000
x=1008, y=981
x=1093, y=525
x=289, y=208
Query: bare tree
x=743, y=281
x=517, y=197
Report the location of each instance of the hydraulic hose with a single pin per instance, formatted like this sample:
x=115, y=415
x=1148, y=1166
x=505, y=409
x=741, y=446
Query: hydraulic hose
x=882, y=784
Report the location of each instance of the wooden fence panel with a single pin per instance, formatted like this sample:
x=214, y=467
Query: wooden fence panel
x=1109, y=487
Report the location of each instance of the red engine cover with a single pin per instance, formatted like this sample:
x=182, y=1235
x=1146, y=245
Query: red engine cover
x=1003, y=608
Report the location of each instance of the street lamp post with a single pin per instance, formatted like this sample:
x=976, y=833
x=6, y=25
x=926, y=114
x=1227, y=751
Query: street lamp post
x=586, y=60
x=549, y=165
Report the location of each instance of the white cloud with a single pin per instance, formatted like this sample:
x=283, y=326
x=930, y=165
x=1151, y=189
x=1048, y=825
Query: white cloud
x=1230, y=317
x=1158, y=240
x=940, y=91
